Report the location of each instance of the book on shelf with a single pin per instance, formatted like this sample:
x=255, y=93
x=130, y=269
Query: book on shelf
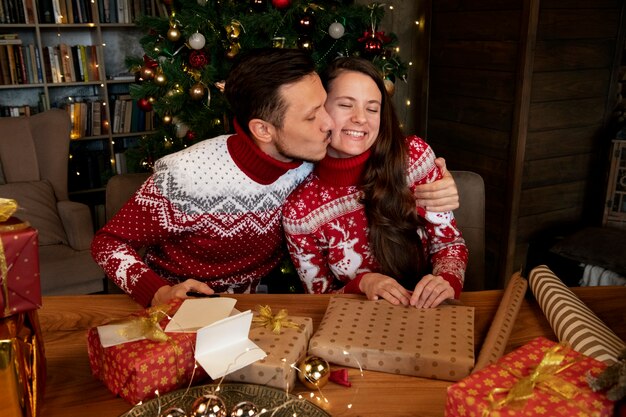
x=4, y=65
x=56, y=10
x=77, y=64
x=12, y=63
x=66, y=66
x=69, y=10
x=10, y=39
x=28, y=65
x=84, y=62
x=46, y=11
x=40, y=70
x=29, y=11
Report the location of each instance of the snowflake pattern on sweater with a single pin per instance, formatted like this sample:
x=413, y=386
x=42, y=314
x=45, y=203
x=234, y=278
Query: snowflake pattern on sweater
x=201, y=215
x=327, y=233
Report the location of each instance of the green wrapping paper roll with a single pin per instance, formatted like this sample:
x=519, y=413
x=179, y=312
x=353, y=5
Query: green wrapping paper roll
x=571, y=320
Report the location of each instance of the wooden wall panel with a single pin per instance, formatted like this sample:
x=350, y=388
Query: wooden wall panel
x=553, y=171
x=458, y=136
x=473, y=111
x=574, y=54
x=490, y=55
x=464, y=5
x=567, y=113
x=561, y=142
x=523, y=103
x=587, y=23
x=563, y=85
x=495, y=85
x=478, y=25
x=552, y=197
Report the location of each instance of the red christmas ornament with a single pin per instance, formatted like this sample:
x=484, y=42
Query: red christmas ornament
x=198, y=59
x=281, y=4
x=372, y=47
x=144, y=104
x=190, y=135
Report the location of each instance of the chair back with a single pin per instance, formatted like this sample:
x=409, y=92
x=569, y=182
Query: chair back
x=120, y=188
x=470, y=218
x=36, y=148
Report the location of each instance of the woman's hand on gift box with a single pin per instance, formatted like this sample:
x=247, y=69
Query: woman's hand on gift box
x=431, y=291
x=376, y=286
x=169, y=292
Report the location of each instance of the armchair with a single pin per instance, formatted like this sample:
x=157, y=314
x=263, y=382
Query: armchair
x=34, y=164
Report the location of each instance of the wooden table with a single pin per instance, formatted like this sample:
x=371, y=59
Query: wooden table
x=72, y=391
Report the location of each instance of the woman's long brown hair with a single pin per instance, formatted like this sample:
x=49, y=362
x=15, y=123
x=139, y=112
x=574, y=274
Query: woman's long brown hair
x=388, y=201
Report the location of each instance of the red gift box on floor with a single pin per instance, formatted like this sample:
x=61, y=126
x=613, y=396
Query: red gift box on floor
x=19, y=267
x=136, y=370
x=539, y=379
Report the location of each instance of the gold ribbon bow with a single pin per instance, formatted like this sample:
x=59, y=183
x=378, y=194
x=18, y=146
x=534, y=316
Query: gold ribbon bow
x=543, y=377
x=7, y=208
x=273, y=321
x=148, y=326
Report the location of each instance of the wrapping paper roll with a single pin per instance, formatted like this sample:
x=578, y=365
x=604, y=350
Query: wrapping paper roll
x=502, y=325
x=571, y=320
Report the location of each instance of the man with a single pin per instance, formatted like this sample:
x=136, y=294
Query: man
x=210, y=215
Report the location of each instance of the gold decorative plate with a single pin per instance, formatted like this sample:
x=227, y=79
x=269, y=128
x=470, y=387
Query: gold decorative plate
x=278, y=402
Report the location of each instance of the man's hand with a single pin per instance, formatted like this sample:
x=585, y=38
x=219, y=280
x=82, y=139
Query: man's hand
x=375, y=286
x=431, y=291
x=441, y=195
x=169, y=292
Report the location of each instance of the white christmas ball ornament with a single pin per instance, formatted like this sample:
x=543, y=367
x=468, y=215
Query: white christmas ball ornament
x=336, y=30
x=197, y=40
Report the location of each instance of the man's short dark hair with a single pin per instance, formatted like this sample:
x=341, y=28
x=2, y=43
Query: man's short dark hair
x=252, y=87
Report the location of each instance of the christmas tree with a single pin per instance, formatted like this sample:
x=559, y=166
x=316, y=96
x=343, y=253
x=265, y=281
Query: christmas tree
x=187, y=57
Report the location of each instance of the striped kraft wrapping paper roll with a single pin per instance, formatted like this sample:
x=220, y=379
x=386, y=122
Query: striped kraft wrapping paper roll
x=571, y=320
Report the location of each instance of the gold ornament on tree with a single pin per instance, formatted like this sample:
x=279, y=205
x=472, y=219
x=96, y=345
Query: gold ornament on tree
x=197, y=91
x=173, y=33
x=390, y=86
x=160, y=79
x=146, y=73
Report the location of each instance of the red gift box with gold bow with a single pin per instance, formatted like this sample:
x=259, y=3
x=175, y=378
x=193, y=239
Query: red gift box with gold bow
x=137, y=370
x=541, y=378
x=19, y=268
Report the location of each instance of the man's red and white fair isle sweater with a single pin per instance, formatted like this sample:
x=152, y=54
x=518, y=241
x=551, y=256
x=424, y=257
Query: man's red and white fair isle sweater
x=211, y=212
x=327, y=232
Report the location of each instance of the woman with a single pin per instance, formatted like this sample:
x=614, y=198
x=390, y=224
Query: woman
x=353, y=225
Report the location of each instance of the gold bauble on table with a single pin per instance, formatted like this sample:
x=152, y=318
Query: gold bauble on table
x=208, y=405
x=173, y=34
x=314, y=372
x=244, y=409
x=197, y=91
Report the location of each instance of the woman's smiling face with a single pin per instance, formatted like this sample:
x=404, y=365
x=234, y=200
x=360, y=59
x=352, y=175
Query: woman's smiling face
x=354, y=102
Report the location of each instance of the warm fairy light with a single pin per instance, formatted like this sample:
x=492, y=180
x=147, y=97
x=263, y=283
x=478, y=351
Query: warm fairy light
x=104, y=44
x=349, y=405
x=112, y=161
x=77, y=173
x=408, y=103
x=397, y=49
x=410, y=63
x=391, y=7
x=91, y=25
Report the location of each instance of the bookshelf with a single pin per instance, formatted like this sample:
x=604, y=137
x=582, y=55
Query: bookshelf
x=87, y=77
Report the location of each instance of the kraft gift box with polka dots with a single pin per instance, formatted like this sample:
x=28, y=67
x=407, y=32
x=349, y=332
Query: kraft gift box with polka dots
x=284, y=350
x=435, y=343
